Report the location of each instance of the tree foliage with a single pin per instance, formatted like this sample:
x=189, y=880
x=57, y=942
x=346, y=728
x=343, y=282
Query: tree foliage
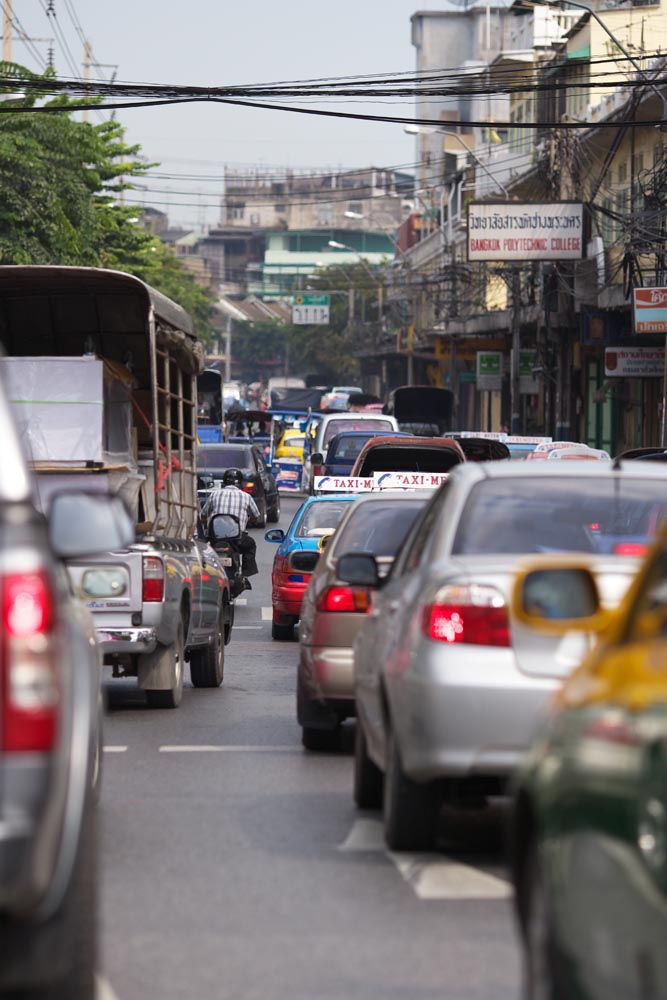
x=61, y=184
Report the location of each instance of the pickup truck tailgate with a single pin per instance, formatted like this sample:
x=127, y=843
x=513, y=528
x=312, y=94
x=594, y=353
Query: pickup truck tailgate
x=110, y=584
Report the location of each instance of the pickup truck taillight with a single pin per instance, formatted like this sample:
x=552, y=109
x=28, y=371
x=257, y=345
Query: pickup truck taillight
x=318, y=470
x=472, y=613
x=30, y=697
x=153, y=583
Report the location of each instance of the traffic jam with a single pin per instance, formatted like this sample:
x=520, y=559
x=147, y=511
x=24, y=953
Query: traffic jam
x=433, y=691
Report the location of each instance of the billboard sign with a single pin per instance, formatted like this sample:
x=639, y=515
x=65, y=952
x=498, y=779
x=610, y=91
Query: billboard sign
x=634, y=362
x=524, y=231
x=650, y=310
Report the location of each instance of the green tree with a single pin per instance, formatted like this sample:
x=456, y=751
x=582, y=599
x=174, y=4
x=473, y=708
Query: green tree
x=60, y=184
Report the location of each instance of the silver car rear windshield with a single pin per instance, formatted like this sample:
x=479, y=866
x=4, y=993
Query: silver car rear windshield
x=569, y=515
x=378, y=527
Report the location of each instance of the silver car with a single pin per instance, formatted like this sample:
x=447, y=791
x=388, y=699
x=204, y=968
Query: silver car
x=50, y=703
x=448, y=690
x=332, y=613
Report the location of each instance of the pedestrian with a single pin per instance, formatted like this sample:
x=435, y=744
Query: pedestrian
x=229, y=499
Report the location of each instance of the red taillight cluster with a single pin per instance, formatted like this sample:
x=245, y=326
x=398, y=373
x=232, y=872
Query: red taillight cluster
x=28, y=665
x=317, y=470
x=345, y=599
x=249, y=487
x=475, y=614
x=153, y=580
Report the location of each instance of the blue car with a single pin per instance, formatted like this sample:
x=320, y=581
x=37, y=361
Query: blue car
x=297, y=555
x=344, y=448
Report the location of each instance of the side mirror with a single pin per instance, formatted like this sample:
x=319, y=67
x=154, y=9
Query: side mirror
x=223, y=526
x=359, y=569
x=317, y=458
x=205, y=481
x=85, y=524
x=274, y=535
x=559, y=600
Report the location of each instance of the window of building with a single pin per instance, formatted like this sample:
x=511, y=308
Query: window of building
x=324, y=214
x=622, y=173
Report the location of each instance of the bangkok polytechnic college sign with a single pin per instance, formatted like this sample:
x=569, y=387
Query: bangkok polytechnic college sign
x=525, y=230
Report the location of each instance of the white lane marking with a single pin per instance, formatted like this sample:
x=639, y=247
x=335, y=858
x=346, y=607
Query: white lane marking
x=103, y=990
x=240, y=602
x=246, y=627
x=428, y=878
x=113, y=749
x=267, y=614
x=448, y=879
x=365, y=835
x=185, y=748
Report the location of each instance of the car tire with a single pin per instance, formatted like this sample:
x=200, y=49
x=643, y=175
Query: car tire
x=207, y=663
x=77, y=917
x=282, y=633
x=322, y=740
x=274, y=515
x=539, y=964
x=368, y=780
x=410, y=809
x=172, y=697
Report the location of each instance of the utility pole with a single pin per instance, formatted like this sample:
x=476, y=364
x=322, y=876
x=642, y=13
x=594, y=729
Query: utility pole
x=7, y=19
x=86, y=73
x=515, y=382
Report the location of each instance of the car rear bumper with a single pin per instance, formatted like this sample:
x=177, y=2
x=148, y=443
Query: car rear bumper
x=25, y=845
x=328, y=672
x=126, y=640
x=288, y=600
x=466, y=713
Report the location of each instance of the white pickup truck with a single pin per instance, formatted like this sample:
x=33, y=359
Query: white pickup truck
x=101, y=373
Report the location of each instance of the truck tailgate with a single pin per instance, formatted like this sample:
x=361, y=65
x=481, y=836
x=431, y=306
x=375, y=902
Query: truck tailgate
x=110, y=584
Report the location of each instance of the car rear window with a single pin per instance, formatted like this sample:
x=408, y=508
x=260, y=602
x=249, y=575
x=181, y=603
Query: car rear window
x=519, y=516
x=378, y=527
x=347, y=449
x=393, y=458
x=318, y=517
x=336, y=426
x=211, y=459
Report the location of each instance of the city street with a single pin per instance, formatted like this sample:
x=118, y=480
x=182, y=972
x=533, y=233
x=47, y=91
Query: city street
x=234, y=865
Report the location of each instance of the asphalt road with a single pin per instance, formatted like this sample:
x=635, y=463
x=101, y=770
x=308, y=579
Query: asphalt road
x=236, y=867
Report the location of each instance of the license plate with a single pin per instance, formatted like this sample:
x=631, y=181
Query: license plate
x=226, y=561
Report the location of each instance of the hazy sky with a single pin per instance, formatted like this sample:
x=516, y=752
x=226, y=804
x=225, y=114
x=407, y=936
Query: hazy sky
x=217, y=42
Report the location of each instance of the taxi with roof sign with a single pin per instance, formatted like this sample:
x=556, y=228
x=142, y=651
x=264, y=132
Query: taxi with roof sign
x=297, y=555
x=589, y=843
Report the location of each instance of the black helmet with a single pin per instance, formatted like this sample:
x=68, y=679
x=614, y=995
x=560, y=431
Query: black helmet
x=232, y=477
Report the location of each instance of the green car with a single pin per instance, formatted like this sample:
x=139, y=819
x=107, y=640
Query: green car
x=589, y=816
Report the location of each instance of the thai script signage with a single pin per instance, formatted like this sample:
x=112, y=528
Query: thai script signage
x=489, y=371
x=525, y=230
x=650, y=310
x=634, y=362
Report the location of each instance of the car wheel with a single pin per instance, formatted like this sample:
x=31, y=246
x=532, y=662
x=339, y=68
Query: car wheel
x=539, y=980
x=324, y=740
x=207, y=664
x=410, y=809
x=75, y=922
x=262, y=514
x=274, y=517
x=172, y=697
x=367, y=776
x=283, y=633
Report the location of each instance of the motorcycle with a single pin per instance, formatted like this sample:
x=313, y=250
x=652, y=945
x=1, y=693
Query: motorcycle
x=224, y=534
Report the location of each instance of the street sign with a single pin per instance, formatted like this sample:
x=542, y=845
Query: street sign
x=528, y=384
x=523, y=231
x=489, y=370
x=650, y=310
x=310, y=310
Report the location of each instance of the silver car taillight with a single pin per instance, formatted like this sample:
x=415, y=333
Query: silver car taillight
x=471, y=613
x=29, y=707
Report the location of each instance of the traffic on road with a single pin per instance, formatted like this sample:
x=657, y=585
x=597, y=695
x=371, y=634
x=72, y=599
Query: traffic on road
x=419, y=720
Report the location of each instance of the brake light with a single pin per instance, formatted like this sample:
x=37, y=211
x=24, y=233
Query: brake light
x=345, y=599
x=474, y=614
x=249, y=488
x=28, y=665
x=318, y=470
x=630, y=549
x=153, y=580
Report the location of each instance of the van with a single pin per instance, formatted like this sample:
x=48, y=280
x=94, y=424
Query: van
x=322, y=427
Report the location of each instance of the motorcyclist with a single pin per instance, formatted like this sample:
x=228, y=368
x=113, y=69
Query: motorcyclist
x=230, y=499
